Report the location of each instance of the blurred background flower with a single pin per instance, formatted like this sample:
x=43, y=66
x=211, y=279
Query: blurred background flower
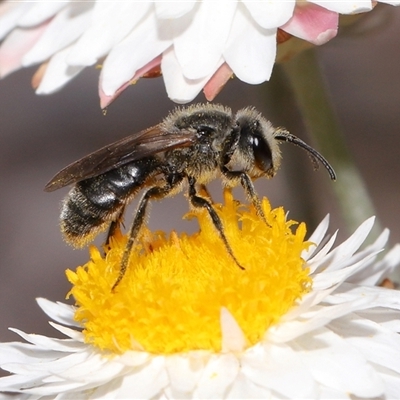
x=195, y=44
x=40, y=135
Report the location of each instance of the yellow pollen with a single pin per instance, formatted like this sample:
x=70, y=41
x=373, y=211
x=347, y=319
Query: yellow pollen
x=171, y=296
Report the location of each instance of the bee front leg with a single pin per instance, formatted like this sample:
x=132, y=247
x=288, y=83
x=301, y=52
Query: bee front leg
x=200, y=202
x=248, y=187
x=156, y=192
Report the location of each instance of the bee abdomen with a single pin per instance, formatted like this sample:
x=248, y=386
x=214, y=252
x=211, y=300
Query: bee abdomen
x=93, y=203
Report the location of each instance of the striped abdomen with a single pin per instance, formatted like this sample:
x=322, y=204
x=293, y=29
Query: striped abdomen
x=94, y=203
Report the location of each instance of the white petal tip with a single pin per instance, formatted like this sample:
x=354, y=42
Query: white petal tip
x=233, y=339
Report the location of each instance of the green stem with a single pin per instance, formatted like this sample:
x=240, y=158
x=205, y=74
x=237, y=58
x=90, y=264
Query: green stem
x=319, y=117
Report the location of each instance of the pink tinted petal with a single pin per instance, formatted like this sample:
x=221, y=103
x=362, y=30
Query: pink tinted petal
x=65, y=28
x=217, y=81
x=313, y=23
x=15, y=46
x=106, y=100
x=180, y=89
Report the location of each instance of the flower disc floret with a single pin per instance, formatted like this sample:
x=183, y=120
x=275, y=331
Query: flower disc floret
x=171, y=297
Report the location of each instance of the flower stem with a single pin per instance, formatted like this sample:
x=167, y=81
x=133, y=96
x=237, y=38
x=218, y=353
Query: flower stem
x=310, y=91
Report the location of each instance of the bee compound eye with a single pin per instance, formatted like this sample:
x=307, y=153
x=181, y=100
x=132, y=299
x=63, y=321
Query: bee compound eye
x=262, y=153
x=204, y=130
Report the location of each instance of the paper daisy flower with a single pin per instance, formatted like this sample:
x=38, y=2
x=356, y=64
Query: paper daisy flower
x=194, y=44
x=301, y=321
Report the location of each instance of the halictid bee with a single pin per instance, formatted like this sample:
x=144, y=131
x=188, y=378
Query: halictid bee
x=193, y=145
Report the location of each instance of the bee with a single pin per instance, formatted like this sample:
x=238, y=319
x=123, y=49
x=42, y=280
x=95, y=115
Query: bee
x=190, y=147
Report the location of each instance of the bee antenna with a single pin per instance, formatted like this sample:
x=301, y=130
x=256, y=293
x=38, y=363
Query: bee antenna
x=285, y=136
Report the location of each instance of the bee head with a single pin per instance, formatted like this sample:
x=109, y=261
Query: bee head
x=259, y=145
x=258, y=151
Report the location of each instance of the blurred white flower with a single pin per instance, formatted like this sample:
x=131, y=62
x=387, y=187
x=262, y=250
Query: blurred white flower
x=194, y=44
x=340, y=341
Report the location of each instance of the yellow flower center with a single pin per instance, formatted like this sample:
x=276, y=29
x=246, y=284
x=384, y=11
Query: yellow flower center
x=171, y=296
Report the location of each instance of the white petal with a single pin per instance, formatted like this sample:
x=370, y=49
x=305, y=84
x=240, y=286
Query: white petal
x=367, y=272
x=393, y=3
x=274, y=366
x=244, y=388
x=379, y=270
x=146, y=382
x=345, y=7
x=312, y=320
x=44, y=342
x=381, y=297
x=71, y=333
x=108, y=391
x=110, y=24
x=270, y=14
x=316, y=237
x=173, y=9
x=23, y=353
x=346, y=249
x=133, y=358
x=199, y=48
x=377, y=344
x=10, y=14
x=233, y=338
x=392, y=386
x=179, y=88
x=59, y=312
x=140, y=47
x=16, y=383
x=219, y=373
x=307, y=302
x=58, y=73
x=46, y=367
x=333, y=394
x=338, y=365
x=67, y=26
x=92, y=371
x=316, y=260
x=250, y=50
x=40, y=12
x=388, y=319
x=185, y=370
x=335, y=276
x=51, y=389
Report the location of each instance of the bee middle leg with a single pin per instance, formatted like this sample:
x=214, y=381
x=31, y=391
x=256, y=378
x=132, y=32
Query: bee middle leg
x=200, y=202
x=156, y=192
x=248, y=187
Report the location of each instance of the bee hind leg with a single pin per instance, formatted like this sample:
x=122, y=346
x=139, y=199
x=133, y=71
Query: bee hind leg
x=156, y=192
x=114, y=226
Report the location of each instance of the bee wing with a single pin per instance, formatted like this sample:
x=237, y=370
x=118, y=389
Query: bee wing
x=143, y=144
